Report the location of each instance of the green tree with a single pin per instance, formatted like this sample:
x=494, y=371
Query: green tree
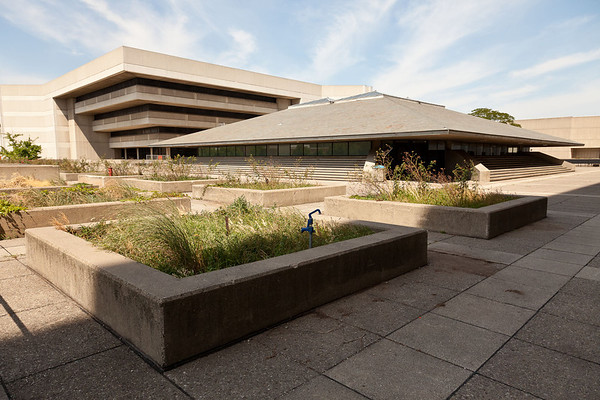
x=494, y=115
x=20, y=149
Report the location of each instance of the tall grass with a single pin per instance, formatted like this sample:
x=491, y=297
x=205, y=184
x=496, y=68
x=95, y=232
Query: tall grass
x=187, y=244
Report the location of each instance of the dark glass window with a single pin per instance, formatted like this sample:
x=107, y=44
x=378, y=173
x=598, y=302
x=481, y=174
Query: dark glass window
x=284, y=149
x=230, y=151
x=271, y=149
x=213, y=151
x=261, y=150
x=325, y=149
x=296, y=149
x=205, y=151
x=359, y=148
x=340, y=148
x=250, y=151
x=239, y=151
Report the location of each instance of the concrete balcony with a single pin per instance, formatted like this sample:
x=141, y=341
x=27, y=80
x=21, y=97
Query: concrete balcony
x=139, y=94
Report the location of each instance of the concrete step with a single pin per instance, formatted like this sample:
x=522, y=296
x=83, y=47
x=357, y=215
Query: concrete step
x=505, y=174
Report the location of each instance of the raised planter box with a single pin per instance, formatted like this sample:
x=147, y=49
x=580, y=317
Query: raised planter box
x=268, y=198
x=14, y=224
x=39, y=172
x=170, y=319
x=167, y=186
x=74, y=176
x=101, y=181
x=486, y=222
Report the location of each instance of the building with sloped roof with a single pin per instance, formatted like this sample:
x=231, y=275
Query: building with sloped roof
x=352, y=128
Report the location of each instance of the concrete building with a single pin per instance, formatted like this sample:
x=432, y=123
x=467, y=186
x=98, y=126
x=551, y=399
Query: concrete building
x=120, y=103
x=335, y=136
x=585, y=130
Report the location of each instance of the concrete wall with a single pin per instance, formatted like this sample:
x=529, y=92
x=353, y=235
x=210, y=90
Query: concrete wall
x=584, y=130
x=39, y=172
x=170, y=319
x=268, y=198
x=168, y=186
x=486, y=222
x=14, y=224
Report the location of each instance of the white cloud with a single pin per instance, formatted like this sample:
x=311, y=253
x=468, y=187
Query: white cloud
x=421, y=63
x=340, y=47
x=242, y=47
x=559, y=63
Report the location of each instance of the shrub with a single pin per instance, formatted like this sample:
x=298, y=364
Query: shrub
x=20, y=149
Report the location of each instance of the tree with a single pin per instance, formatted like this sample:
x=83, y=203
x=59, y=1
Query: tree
x=21, y=149
x=494, y=115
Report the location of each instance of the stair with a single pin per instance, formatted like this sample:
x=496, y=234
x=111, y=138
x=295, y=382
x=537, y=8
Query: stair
x=319, y=168
x=519, y=166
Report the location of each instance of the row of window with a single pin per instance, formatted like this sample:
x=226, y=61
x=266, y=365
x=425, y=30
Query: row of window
x=301, y=149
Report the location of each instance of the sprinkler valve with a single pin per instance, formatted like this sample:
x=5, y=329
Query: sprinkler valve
x=309, y=227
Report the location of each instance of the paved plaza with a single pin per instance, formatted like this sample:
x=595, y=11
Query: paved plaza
x=514, y=317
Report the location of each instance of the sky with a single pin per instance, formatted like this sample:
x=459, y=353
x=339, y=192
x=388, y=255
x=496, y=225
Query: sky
x=529, y=58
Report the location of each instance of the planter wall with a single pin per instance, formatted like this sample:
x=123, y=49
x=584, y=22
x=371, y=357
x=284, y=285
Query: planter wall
x=168, y=186
x=486, y=222
x=101, y=181
x=40, y=172
x=14, y=224
x=268, y=198
x=171, y=319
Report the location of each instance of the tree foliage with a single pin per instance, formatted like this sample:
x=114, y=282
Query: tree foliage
x=20, y=149
x=494, y=115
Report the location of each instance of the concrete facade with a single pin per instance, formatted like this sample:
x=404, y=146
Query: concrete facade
x=585, y=130
x=130, y=98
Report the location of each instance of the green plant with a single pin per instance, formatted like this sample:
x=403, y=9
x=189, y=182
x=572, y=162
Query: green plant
x=6, y=207
x=187, y=244
x=20, y=149
x=268, y=175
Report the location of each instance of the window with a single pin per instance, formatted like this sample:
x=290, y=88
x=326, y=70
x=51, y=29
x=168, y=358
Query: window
x=261, y=150
x=271, y=149
x=205, y=151
x=222, y=151
x=284, y=149
x=296, y=149
x=239, y=151
x=230, y=151
x=310, y=149
x=250, y=151
x=359, y=148
x=340, y=149
x=325, y=149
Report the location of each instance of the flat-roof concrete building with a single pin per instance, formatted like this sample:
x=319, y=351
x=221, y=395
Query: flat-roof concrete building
x=118, y=104
x=585, y=130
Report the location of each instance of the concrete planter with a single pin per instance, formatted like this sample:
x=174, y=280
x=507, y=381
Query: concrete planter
x=486, y=222
x=268, y=198
x=14, y=224
x=170, y=319
x=39, y=172
x=168, y=186
x=101, y=181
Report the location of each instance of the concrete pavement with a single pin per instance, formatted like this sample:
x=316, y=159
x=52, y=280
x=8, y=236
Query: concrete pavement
x=517, y=316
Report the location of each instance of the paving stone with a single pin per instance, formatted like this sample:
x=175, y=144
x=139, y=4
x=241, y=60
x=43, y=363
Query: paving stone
x=372, y=313
x=451, y=340
x=317, y=341
x=16, y=250
x=453, y=272
x=245, y=370
x=388, y=370
x=433, y=237
x=555, y=267
x=116, y=373
x=500, y=243
x=533, y=278
x=12, y=269
x=414, y=294
x=485, y=313
x=513, y=293
x=34, y=340
x=321, y=388
x=577, y=302
x=27, y=292
x=8, y=243
x=564, y=335
x=562, y=256
x=487, y=255
x=590, y=273
x=543, y=372
x=573, y=237
x=572, y=248
x=585, y=287
x=482, y=388
x=595, y=263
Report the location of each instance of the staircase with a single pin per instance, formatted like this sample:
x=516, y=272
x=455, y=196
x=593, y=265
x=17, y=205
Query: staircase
x=309, y=168
x=519, y=166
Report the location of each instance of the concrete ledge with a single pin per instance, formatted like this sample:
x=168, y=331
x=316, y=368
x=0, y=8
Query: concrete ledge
x=268, y=198
x=486, y=222
x=48, y=188
x=168, y=186
x=14, y=224
x=101, y=181
x=40, y=172
x=171, y=319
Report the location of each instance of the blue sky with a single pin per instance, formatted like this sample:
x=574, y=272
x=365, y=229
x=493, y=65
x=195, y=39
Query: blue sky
x=530, y=58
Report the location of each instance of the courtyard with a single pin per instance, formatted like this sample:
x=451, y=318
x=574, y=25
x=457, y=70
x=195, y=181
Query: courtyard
x=516, y=316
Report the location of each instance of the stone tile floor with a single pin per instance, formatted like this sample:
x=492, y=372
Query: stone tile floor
x=517, y=316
